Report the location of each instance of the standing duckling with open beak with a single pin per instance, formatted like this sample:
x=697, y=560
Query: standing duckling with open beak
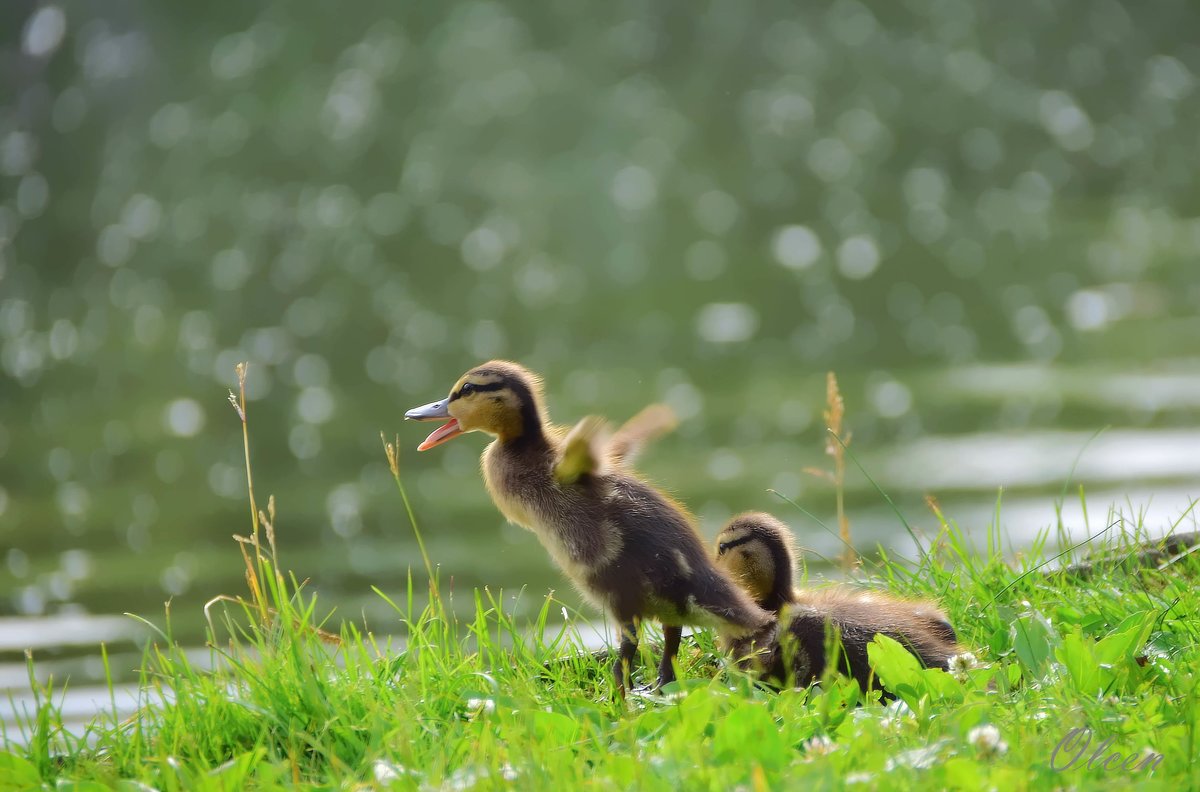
x=627, y=547
x=756, y=550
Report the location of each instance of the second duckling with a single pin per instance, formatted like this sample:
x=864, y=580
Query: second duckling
x=756, y=550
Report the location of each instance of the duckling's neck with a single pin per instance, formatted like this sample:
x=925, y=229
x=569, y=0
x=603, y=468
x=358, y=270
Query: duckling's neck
x=527, y=431
x=778, y=597
x=781, y=592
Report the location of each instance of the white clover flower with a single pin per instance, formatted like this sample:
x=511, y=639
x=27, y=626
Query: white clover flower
x=386, y=772
x=895, y=716
x=986, y=740
x=821, y=745
x=921, y=758
x=479, y=706
x=960, y=664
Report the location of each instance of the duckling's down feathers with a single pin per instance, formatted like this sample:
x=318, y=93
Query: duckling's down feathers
x=755, y=548
x=627, y=546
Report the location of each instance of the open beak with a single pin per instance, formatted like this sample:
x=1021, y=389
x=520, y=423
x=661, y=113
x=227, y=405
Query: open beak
x=435, y=411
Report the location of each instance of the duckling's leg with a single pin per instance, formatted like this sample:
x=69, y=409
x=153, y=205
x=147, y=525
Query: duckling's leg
x=629, y=643
x=666, y=669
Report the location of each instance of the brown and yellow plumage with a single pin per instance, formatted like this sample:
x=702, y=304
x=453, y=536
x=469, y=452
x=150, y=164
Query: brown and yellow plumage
x=755, y=549
x=629, y=548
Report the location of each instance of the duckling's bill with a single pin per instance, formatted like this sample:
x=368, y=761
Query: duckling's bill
x=435, y=411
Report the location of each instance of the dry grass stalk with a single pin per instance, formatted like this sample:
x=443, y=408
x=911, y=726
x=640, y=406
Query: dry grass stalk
x=262, y=522
x=392, y=451
x=835, y=446
x=324, y=635
x=239, y=404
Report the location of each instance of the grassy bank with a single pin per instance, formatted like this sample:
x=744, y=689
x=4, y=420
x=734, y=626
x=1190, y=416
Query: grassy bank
x=1077, y=681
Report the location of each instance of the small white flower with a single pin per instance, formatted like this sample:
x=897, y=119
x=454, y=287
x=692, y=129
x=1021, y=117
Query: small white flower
x=986, y=740
x=479, y=706
x=917, y=758
x=960, y=664
x=859, y=778
x=820, y=745
x=465, y=778
x=895, y=716
x=385, y=772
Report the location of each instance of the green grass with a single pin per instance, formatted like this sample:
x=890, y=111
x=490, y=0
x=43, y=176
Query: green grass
x=482, y=701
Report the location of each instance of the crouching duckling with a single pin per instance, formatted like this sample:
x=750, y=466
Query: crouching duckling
x=756, y=550
x=628, y=548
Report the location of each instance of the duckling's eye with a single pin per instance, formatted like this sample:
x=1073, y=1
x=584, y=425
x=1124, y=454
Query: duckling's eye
x=467, y=389
x=741, y=540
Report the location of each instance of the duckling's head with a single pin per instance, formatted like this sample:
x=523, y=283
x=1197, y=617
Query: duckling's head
x=500, y=398
x=756, y=550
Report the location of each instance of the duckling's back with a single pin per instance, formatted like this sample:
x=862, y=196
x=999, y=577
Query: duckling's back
x=859, y=617
x=625, y=545
x=663, y=569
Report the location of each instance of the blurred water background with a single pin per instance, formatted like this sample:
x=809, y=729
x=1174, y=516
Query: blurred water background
x=984, y=216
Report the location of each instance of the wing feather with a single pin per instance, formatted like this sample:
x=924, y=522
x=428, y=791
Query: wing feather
x=649, y=424
x=583, y=451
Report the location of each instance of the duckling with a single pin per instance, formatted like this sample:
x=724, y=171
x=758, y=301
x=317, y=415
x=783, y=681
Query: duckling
x=630, y=549
x=755, y=548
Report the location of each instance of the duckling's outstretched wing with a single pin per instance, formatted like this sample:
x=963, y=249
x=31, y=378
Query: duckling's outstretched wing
x=650, y=424
x=583, y=451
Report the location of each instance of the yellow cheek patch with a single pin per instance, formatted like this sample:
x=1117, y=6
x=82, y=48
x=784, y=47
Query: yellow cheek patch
x=754, y=572
x=470, y=413
x=493, y=412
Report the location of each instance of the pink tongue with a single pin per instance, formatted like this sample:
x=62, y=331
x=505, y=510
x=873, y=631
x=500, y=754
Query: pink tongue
x=441, y=435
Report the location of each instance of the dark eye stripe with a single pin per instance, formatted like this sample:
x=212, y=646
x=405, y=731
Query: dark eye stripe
x=721, y=548
x=471, y=387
